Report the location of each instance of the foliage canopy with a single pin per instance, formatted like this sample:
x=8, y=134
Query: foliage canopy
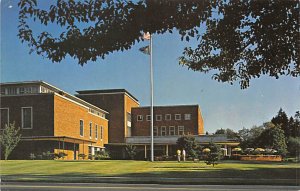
x=237, y=40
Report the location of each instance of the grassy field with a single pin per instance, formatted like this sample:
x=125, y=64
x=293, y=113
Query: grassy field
x=187, y=172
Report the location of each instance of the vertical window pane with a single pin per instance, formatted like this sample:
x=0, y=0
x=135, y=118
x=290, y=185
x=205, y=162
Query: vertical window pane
x=27, y=118
x=101, y=132
x=96, y=132
x=81, y=128
x=4, y=117
x=90, y=130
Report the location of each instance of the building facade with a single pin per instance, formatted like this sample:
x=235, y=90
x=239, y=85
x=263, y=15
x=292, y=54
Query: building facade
x=119, y=104
x=52, y=120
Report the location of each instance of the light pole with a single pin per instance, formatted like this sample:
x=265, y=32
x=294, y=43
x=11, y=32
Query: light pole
x=151, y=100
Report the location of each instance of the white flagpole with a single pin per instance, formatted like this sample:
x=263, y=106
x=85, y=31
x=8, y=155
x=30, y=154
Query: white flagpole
x=151, y=100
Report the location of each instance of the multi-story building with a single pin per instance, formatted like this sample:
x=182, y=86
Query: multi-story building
x=119, y=104
x=52, y=120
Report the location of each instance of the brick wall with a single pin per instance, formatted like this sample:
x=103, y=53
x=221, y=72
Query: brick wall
x=192, y=126
x=42, y=112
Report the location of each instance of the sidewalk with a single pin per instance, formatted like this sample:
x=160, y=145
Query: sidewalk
x=150, y=180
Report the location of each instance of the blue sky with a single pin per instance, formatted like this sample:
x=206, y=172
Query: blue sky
x=222, y=105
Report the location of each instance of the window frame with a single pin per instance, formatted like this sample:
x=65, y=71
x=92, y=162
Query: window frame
x=101, y=132
x=173, y=129
x=178, y=119
x=81, y=127
x=5, y=108
x=96, y=131
x=189, y=116
x=139, y=117
x=148, y=117
x=181, y=130
x=163, y=129
x=31, y=117
x=156, y=117
x=168, y=119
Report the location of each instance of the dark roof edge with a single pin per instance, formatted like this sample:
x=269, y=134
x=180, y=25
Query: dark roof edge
x=192, y=105
x=106, y=91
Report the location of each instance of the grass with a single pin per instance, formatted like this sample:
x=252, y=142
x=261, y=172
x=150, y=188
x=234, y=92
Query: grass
x=158, y=172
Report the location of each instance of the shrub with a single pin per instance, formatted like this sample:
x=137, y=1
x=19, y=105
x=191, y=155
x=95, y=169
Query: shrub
x=32, y=156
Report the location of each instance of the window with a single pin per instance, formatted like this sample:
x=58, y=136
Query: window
x=177, y=116
x=155, y=131
x=158, y=117
x=96, y=131
x=163, y=131
x=12, y=91
x=26, y=117
x=139, y=118
x=91, y=129
x=128, y=116
x=172, y=130
x=180, y=130
x=187, y=116
x=148, y=117
x=2, y=91
x=101, y=132
x=168, y=117
x=4, y=117
x=81, y=128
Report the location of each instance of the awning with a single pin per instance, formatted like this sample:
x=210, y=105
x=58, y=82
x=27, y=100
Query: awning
x=57, y=138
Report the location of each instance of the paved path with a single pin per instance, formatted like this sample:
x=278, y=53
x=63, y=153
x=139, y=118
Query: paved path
x=18, y=186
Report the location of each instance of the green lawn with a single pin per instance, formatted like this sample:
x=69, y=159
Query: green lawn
x=231, y=171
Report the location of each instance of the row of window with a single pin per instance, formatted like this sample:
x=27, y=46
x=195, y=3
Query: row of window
x=166, y=131
x=26, y=116
x=97, y=133
x=168, y=117
x=19, y=90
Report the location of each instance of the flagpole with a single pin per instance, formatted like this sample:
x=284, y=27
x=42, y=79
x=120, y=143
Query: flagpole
x=151, y=100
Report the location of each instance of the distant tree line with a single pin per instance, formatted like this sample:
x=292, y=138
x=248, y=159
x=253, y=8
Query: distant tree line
x=282, y=133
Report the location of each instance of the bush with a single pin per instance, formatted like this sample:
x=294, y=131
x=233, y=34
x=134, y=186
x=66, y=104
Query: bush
x=82, y=155
x=47, y=155
x=102, y=155
x=32, y=156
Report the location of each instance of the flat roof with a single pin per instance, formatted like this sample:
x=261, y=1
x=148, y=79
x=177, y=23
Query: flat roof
x=156, y=106
x=107, y=91
x=56, y=90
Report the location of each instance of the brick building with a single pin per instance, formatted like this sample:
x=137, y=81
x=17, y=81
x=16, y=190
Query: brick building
x=52, y=120
x=119, y=104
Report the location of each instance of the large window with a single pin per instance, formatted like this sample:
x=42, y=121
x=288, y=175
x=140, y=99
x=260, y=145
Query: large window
x=4, y=117
x=171, y=130
x=96, y=131
x=163, y=130
x=91, y=126
x=180, y=130
x=139, y=118
x=81, y=128
x=26, y=117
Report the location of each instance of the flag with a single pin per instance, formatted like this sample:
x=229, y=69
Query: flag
x=145, y=50
x=147, y=36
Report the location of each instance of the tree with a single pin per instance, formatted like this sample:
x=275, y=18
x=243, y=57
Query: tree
x=281, y=119
x=213, y=156
x=293, y=146
x=189, y=144
x=248, y=137
x=9, y=139
x=273, y=138
x=231, y=134
x=131, y=151
x=237, y=40
x=294, y=125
